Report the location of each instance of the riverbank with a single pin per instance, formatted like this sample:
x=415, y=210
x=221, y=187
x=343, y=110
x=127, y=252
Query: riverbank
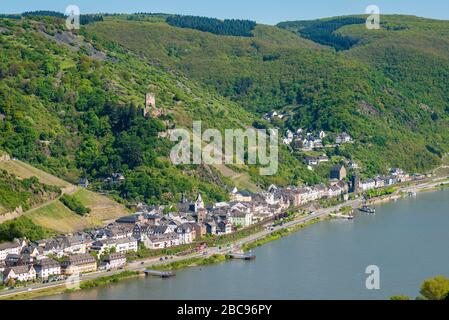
x=250, y=240
x=83, y=285
x=278, y=235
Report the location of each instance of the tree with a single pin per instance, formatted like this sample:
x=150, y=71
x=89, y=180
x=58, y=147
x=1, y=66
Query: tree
x=400, y=298
x=436, y=288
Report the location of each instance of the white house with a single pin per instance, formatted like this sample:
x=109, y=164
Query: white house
x=114, y=261
x=379, y=182
x=19, y=273
x=119, y=245
x=240, y=218
x=160, y=242
x=186, y=233
x=126, y=245
x=47, y=267
x=343, y=138
x=367, y=184
x=6, y=248
x=334, y=191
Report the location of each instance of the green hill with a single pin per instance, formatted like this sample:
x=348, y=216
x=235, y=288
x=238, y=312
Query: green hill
x=71, y=104
x=387, y=88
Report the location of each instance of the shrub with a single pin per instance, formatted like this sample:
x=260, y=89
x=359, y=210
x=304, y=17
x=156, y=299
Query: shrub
x=75, y=205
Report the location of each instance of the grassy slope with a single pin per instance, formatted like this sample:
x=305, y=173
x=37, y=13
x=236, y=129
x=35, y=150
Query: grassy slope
x=24, y=170
x=54, y=215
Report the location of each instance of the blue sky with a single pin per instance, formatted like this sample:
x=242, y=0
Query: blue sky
x=263, y=11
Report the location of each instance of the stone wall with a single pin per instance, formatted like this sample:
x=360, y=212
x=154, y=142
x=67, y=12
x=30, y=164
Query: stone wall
x=11, y=215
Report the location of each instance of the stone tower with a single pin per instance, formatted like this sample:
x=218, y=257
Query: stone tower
x=150, y=105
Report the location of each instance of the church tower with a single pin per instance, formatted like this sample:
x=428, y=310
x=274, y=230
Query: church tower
x=199, y=203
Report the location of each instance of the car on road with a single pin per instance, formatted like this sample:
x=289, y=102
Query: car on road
x=142, y=262
x=161, y=259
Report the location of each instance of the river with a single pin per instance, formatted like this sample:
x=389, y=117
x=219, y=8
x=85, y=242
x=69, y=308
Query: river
x=406, y=239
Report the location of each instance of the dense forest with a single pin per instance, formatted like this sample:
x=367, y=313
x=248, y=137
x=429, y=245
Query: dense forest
x=228, y=27
x=323, y=31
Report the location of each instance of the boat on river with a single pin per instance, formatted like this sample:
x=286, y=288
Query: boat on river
x=367, y=209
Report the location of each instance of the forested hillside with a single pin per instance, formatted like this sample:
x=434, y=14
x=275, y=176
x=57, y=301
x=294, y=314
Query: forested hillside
x=389, y=90
x=72, y=103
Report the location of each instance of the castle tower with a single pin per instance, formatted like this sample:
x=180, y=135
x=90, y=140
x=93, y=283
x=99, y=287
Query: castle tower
x=150, y=105
x=355, y=182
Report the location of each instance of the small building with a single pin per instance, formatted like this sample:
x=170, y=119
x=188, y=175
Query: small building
x=241, y=196
x=83, y=183
x=114, y=261
x=211, y=227
x=47, y=267
x=186, y=233
x=368, y=184
x=314, y=161
x=79, y=263
x=128, y=244
x=6, y=248
x=338, y=172
x=155, y=242
x=343, y=138
x=201, y=230
x=150, y=108
x=19, y=273
x=240, y=218
x=224, y=227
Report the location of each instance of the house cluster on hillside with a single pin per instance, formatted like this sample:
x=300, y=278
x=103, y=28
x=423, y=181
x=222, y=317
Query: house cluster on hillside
x=274, y=115
x=308, y=141
x=302, y=140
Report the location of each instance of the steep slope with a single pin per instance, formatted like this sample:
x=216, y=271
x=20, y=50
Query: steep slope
x=37, y=193
x=391, y=99
x=72, y=105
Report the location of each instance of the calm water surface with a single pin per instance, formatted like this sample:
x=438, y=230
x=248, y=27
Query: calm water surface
x=407, y=240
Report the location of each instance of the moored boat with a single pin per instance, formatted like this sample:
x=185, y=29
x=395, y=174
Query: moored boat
x=367, y=209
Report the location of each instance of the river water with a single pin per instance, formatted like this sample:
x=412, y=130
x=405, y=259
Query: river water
x=406, y=239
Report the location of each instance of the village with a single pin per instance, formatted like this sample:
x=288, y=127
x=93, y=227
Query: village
x=152, y=228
